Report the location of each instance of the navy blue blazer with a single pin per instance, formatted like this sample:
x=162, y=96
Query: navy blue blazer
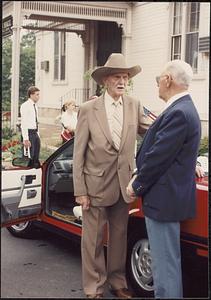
x=166, y=163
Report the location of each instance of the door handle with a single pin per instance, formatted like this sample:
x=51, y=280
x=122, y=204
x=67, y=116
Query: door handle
x=31, y=194
x=30, y=178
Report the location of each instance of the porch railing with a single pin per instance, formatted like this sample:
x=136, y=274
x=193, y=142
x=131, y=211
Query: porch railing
x=79, y=95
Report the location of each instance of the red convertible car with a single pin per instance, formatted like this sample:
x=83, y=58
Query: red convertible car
x=44, y=197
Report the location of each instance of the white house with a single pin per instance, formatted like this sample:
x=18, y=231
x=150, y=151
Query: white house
x=59, y=71
x=162, y=31
x=73, y=37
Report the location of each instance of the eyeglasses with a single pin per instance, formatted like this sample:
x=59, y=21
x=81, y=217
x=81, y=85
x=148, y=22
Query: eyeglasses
x=157, y=78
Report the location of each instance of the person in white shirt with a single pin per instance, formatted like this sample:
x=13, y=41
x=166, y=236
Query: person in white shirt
x=68, y=119
x=29, y=126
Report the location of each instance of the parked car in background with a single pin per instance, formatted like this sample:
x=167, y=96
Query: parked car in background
x=44, y=197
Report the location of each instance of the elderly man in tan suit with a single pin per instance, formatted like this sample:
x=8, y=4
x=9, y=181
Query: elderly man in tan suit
x=103, y=165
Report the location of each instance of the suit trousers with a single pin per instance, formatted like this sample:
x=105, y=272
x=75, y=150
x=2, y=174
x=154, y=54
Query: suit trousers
x=35, y=147
x=164, y=240
x=95, y=273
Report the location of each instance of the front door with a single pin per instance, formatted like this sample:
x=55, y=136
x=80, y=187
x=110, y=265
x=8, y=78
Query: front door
x=109, y=40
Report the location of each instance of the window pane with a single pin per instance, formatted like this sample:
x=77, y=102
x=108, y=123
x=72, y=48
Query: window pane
x=194, y=22
x=191, y=55
x=177, y=22
x=63, y=55
x=67, y=153
x=176, y=47
x=177, y=25
x=193, y=10
x=177, y=9
x=62, y=68
x=56, y=68
x=56, y=55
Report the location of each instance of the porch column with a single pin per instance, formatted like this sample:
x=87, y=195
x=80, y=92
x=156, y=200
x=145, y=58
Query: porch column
x=89, y=43
x=15, y=63
x=86, y=44
x=92, y=55
x=127, y=35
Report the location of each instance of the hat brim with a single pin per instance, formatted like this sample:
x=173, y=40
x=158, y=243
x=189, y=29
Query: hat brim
x=102, y=72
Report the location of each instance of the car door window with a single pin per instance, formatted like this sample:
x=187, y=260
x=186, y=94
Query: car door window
x=67, y=153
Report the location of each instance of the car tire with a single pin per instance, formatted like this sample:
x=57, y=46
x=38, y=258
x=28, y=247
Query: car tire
x=24, y=230
x=139, y=271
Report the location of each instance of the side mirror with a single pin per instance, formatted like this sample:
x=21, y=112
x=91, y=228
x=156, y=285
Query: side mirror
x=21, y=161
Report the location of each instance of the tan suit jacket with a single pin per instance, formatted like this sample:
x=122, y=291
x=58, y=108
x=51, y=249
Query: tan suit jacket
x=99, y=170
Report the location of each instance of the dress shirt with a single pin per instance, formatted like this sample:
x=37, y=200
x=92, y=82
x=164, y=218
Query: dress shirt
x=28, y=117
x=175, y=97
x=110, y=107
x=69, y=119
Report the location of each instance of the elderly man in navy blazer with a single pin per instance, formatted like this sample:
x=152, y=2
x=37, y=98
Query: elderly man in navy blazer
x=165, y=176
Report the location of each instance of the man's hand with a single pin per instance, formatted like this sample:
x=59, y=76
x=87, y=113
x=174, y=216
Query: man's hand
x=27, y=143
x=199, y=171
x=129, y=189
x=84, y=201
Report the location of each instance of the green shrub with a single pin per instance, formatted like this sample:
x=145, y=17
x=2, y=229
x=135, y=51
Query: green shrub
x=7, y=133
x=13, y=147
x=45, y=153
x=139, y=142
x=203, y=148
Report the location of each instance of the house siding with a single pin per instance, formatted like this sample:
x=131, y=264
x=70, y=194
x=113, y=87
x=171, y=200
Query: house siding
x=50, y=90
x=150, y=47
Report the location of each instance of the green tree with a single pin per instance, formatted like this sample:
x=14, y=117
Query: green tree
x=27, y=65
x=27, y=68
x=6, y=72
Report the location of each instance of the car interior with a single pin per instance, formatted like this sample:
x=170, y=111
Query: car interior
x=60, y=196
x=60, y=200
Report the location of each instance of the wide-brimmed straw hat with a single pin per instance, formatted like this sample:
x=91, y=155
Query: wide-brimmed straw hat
x=116, y=63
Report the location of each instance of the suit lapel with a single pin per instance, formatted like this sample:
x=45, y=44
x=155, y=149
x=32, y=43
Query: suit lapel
x=100, y=114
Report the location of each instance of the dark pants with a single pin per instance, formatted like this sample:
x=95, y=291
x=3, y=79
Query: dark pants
x=35, y=148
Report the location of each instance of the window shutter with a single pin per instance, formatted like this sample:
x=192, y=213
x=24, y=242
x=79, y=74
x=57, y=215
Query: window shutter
x=204, y=44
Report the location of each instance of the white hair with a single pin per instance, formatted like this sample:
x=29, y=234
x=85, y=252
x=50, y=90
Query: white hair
x=181, y=72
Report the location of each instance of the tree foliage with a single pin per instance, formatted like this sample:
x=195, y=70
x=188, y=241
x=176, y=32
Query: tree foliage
x=27, y=68
x=6, y=73
x=27, y=65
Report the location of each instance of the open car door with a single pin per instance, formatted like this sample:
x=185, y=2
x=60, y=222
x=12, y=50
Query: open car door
x=20, y=195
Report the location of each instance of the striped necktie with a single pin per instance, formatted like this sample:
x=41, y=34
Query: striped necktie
x=117, y=121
